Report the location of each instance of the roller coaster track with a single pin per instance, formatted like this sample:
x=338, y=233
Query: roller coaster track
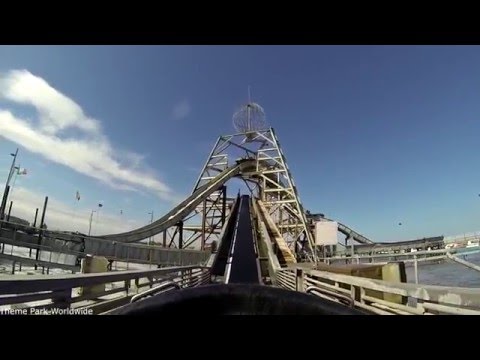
x=178, y=213
x=350, y=233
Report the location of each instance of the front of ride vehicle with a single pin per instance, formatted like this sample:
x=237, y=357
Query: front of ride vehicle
x=235, y=299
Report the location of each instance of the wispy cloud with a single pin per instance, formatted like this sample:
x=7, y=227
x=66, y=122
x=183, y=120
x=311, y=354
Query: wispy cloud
x=58, y=214
x=181, y=110
x=56, y=111
x=193, y=169
x=91, y=155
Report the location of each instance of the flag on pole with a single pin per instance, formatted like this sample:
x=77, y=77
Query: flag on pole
x=21, y=171
x=77, y=196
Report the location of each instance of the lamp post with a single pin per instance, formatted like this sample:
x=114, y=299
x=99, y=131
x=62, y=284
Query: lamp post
x=151, y=221
x=90, y=224
x=12, y=167
x=16, y=171
x=5, y=194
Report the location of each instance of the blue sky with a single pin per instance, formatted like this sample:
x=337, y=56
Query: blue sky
x=374, y=135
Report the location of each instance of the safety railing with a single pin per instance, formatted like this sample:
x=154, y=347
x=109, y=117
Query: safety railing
x=66, y=252
x=43, y=256
x=382, y=297
x=406, y=257
x=165, y=286
x=96, y=293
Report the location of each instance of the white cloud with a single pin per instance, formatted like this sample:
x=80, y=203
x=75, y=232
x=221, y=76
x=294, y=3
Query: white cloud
x=181, y=110
x=92, y=155
x=56, y=111
x=58, y=214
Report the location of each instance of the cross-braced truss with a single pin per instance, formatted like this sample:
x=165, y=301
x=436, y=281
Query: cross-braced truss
x=210, y=216
x=271, y=182
x=278, y=192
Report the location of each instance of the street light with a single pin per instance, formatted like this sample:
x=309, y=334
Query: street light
x=17, y=168
x=10, y=174
x=90, y=225
x=5, y=195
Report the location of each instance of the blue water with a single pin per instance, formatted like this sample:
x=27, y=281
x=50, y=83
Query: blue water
x=447, y=273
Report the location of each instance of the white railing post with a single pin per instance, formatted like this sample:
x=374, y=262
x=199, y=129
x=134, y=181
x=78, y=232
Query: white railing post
x=189, y=277
x=362, y=295
x=300, y=280
x=353, y=292
x=415, y=263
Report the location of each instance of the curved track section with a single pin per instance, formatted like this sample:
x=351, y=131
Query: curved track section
x=171, y=218
x=179, y=212
x=344, y=229
x=350, y=233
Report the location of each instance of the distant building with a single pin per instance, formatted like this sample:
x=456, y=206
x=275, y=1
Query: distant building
x=19, y=221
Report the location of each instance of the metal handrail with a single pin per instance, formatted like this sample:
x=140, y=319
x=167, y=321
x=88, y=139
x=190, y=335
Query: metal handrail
x=58, y=289
x=442, y=299
x=163, y=286
x=41, y=247
x=32, y=283
x=416, y=253
x=342, y=298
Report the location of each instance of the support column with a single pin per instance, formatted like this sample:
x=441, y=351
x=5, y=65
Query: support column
x=35, y=219
x=34, y=225
x=353, y=251
x=224, y=204
x=346, y=249
x=4, y=202
x=9, y=210
x=40, y=235
x=180, y=234
x=204, y=220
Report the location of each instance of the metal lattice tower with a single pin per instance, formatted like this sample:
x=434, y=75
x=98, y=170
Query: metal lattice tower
x=271, y=182
x=255, y=156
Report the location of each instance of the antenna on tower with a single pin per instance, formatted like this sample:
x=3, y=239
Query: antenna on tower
x=249, y=124
x=250, y=117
